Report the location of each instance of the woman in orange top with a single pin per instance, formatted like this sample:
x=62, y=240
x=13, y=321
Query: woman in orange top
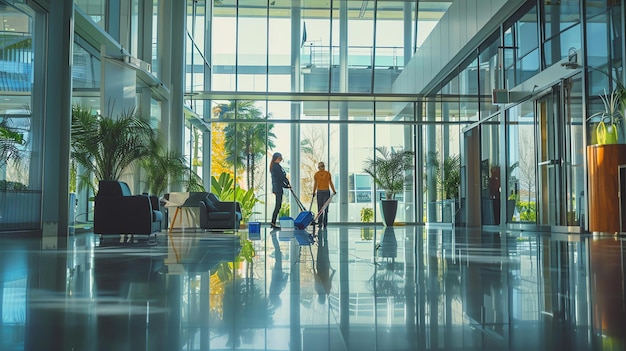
x=322, y=185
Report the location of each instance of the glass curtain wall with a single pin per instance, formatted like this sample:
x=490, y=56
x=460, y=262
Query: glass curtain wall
x=20, y=141
x=604, y=33
x=270, y=49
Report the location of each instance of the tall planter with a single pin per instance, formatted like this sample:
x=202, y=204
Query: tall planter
x=603, y=162
x=389, y=208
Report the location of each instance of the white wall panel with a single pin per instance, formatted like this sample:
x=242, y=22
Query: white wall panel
x=467, y=21
x=471, y=13
x=455, y=33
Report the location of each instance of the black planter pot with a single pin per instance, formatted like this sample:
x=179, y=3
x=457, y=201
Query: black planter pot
x=389, y=209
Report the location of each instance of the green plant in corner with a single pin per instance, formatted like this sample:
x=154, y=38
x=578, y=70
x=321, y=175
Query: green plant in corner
x=225, y=189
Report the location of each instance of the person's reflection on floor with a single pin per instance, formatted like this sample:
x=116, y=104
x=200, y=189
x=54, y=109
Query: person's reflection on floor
x=322, y=269
x=279, y=278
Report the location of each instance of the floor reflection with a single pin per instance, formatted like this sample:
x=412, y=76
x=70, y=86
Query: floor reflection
x=344, y=288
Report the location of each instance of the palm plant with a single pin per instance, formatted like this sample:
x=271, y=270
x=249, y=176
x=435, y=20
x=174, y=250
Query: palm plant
x=389, y=169
x=247, y=142
x=449, y=177
x=162, y=168
x=10, y=138
x=108, y=147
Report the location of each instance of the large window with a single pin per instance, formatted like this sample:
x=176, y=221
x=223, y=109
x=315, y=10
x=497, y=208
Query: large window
x=20, y=168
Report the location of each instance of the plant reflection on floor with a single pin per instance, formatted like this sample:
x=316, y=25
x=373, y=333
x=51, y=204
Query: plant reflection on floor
x=237, y=304
x=388, y=277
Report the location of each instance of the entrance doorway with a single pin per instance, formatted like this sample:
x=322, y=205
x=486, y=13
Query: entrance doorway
x=560, y=156
x=532, y=175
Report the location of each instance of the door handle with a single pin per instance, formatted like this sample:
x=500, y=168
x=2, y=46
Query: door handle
x=549, y=162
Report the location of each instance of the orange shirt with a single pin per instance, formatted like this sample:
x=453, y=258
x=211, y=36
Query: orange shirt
x=323, y=181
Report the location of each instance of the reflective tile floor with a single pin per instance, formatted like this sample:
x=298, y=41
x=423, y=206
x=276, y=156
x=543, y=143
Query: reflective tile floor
x=352, y=288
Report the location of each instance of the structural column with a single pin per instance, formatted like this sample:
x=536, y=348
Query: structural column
x=58, y=111
x=171, y=65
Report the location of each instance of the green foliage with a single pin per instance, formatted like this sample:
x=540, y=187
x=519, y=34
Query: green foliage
x=367, y=234
x=389, y=169
x=10, y=138
x=614, y=104
x=367, y=214
x=225, y=189
x=73, y=176
x=527, y=210
x=222, y=187
x=284, y=210
x=162, y=168
x=246, y=142
x=108, y=147
x=194, y=182
x=247, y=251
x=447, y=175
x=248, y=200
x=224, y=271
x=450, y=180
x=610, y=118
x=6, y=185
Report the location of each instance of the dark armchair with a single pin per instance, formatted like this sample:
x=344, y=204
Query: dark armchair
x=117, y=211
x=216, y=214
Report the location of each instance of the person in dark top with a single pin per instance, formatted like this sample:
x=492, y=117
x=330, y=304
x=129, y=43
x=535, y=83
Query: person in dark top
x=279, y=181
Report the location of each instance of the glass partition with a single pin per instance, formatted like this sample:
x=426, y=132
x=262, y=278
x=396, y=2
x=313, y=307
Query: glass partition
x=521, y=164
x=20, y=163
x=491, y=171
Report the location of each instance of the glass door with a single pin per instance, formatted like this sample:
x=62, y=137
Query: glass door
x=560, y=176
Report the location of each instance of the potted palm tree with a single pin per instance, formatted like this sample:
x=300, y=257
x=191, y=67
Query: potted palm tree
x=162, y=168
x=389, y=170
x=109, y=147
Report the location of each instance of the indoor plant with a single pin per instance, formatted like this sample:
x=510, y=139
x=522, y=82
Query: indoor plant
x=10, y=139
x=389, y=169
x=611, y=117
x=225, y=189
x=109, y=147
x=367, y=216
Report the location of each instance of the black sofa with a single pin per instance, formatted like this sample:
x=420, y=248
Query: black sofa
x=216, y=214
x=117, y=211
